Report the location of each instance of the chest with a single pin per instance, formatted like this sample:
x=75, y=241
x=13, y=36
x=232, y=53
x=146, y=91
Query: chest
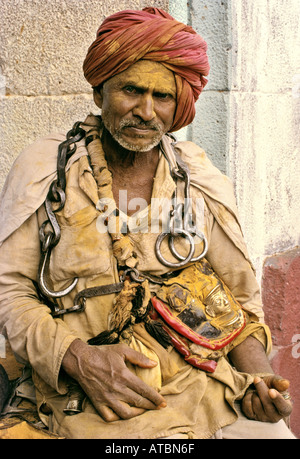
x=132, y=189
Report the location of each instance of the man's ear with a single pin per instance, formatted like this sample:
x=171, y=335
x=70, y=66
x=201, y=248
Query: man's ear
x=98, y=96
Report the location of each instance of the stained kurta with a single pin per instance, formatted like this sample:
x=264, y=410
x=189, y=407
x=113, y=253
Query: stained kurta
x=198, y=403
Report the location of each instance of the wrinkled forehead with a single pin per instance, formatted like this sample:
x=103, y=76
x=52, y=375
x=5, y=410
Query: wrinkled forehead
x=146, y=75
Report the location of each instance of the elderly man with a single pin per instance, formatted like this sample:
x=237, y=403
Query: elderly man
x=141, y=323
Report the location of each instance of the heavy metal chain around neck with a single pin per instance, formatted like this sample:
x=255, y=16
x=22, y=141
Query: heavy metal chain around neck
x=122, y=246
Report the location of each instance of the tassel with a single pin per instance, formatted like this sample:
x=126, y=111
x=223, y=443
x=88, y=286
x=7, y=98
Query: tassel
x=156, y=330
x=106, y=337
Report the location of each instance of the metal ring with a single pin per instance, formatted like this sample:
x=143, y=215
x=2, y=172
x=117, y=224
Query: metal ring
x=134, y=274
x=286, y=396
x=46, y=240
x=202, y=254
x=182, y=262
x=75, y=308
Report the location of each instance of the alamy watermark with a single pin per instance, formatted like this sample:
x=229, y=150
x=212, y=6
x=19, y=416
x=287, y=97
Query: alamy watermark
x=2, y=347
x=296, y=346
x=162, y=216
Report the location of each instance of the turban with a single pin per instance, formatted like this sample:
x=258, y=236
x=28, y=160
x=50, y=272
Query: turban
x=151, y=34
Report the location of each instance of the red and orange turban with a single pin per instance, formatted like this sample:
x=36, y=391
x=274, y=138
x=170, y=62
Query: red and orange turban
x=129, y=36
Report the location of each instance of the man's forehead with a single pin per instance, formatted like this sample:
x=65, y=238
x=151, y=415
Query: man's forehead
x=145, y=74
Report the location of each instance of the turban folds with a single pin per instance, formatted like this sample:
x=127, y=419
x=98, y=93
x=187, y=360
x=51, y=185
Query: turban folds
x=151, y=34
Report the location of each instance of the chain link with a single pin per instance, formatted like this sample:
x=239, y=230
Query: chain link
x=49, y=232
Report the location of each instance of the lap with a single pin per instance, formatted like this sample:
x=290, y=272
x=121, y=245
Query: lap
x=245, y=428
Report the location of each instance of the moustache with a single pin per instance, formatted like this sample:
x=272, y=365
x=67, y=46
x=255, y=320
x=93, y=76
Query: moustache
x=140, y=124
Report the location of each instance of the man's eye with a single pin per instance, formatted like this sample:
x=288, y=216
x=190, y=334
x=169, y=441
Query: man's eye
x=131, y=89
x=162, y=95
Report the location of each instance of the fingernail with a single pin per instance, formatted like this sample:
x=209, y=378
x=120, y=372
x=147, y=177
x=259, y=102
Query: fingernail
x=162, y=405
x=256, y=380
x=273, y=393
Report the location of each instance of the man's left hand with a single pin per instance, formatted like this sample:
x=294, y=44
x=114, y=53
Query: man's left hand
x=267, y=403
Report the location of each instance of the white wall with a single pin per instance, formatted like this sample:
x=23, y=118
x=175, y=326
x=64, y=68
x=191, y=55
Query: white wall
x=264, y=143
x=248, y=117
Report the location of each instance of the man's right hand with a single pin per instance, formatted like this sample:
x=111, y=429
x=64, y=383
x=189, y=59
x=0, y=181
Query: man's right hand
x=114, y=391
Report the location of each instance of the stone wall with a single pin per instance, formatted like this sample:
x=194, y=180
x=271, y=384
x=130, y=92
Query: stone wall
x=210, y=128
x=264, y=164
x=264, y=141
x=42, y=48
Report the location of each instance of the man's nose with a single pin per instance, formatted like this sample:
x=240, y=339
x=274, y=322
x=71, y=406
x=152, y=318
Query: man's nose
x=144, y=107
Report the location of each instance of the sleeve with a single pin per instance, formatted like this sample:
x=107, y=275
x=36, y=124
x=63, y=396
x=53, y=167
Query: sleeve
x=231, y=266
x=34, y=336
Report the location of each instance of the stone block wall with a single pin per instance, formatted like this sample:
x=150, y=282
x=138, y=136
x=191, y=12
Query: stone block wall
x=210, y=129
x=42, y=48
x=264, y=141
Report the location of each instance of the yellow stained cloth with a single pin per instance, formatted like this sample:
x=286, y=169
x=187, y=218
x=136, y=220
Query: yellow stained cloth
x=15, y=429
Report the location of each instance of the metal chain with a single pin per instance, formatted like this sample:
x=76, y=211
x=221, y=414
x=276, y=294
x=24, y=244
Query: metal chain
x=179, y=223
x=49, y=232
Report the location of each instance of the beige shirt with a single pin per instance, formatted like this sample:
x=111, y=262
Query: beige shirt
x=198, y=403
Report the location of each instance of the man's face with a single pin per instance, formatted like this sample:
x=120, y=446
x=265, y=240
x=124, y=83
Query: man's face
x=138, y=105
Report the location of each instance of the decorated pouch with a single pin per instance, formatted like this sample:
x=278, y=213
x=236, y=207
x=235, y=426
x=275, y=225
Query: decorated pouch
x=199, y=313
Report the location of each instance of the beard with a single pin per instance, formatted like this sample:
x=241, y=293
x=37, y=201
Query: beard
x=158, y=132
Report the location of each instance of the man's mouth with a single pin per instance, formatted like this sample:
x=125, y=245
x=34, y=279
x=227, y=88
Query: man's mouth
x=141, y=128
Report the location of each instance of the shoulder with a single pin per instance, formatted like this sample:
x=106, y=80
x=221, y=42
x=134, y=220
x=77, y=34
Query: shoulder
x=41, y=154
x=207, y=177
x=190, y=150
x=28, y=181
x=198, y=162
x=39, y=160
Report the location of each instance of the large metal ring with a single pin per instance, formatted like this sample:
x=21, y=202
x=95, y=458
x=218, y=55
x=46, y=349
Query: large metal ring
x=184, y=261
x=202, y=254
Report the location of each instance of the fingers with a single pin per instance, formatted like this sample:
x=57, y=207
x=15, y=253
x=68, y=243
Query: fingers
x=137, y=358
x=247, y=407
x=123, y=406
x=114, y=390
x=107, y=413
x=281, y=384
x=119, y=410
x=140, y=398
x=142, y=393
x=283, y=406
x=269, y=405
x=129, y=402
x=277, y=382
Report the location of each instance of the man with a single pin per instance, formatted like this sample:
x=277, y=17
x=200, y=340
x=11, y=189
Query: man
x=142, y=333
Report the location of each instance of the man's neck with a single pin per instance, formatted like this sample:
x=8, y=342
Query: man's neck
x=132, y=171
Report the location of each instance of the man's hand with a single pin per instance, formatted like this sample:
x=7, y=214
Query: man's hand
x=112, y=388
x=266, y=403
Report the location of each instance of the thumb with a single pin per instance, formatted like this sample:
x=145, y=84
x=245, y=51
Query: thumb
x=277, y=382
x=137, y=358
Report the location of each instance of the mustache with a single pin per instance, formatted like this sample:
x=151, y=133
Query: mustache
x=140, y=124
